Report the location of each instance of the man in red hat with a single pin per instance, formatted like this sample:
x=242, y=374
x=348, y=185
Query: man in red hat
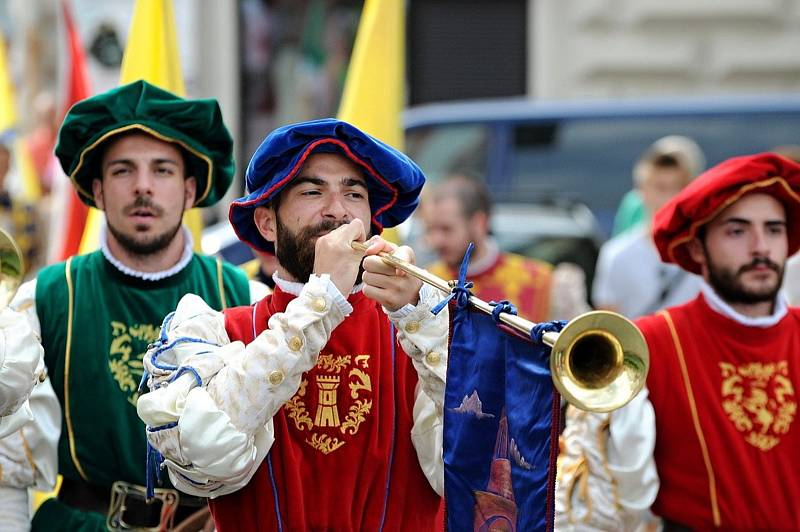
x=714, y=442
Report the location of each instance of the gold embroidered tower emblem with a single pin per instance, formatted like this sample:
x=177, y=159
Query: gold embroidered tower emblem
x=327, y=415
x=331, y=376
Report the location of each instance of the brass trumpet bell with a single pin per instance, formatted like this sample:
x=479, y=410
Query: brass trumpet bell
x=599, y=361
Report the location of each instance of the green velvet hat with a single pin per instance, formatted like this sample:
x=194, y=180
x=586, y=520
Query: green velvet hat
x=194, y=125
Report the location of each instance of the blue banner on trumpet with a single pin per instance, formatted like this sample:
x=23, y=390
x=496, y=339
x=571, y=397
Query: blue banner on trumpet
x=500, y=426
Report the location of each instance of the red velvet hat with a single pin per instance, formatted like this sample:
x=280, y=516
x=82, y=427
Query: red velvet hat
x=677, y=222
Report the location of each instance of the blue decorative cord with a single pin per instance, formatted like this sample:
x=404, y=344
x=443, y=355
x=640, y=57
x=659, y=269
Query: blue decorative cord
x=538, y=330
x=153, y=462
x=152, y=471
x=162, y=338
x=161, y=345
x=500, y=307
x=460, y=291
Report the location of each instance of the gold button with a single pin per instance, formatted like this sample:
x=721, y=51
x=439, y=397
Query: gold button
x=295, y=343
x=412, y=327
x=433, y=358
x=319, y=304
x=275, y=377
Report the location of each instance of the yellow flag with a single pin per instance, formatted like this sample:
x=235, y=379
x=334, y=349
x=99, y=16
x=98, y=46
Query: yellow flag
x=152, y=50
x=30, y=188
x=23, y=164
x=150, y=54
x=8, y=112
x=374, y=94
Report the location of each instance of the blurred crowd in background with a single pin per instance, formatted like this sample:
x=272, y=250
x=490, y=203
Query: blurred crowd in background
x=560, y=182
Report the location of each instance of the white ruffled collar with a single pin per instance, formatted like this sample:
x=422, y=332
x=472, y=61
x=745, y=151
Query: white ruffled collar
x=294, y=288
x=148, y=276
x=720, y=306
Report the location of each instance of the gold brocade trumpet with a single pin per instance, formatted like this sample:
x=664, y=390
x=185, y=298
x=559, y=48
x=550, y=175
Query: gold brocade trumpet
x=598, y=362
x=11, y=268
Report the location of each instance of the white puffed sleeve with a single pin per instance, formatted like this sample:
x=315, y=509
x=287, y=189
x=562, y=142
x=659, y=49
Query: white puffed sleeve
x=424, y=338
x=20, y=361
x=607, y=478
x=210, y=409
x=28, y=454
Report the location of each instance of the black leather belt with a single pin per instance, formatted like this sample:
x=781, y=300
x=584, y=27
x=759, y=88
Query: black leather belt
x=130, y=509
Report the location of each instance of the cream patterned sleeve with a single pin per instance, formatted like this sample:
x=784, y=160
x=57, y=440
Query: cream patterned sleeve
x=209, y=412
x=28, y=454
x=607, y=478
x=424, y=338
x=21, y=363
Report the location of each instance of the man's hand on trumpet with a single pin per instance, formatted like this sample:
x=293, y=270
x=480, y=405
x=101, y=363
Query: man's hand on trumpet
x=334, y=255
x=389, y=286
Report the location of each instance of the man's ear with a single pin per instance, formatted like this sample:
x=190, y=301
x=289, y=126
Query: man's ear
x=189, y=192
x=97, y=192
x=266, y=222
x=697, y=252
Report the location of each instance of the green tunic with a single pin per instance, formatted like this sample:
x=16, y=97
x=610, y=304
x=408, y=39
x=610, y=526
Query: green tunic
x=96, y=325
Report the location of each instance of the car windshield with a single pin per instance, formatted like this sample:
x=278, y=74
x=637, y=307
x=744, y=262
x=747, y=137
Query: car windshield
x=441, y=150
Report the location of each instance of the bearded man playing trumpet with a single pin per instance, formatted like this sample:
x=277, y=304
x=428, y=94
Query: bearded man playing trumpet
x=320, y=407
x=713, y=441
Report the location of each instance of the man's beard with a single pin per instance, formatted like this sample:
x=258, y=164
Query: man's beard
x=730, y=288
x=295, y=252
x=148, y=246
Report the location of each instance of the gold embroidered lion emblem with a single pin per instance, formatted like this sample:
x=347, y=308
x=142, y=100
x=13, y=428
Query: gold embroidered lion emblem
x=759, y=400
x=128, y=346
x=332, y=417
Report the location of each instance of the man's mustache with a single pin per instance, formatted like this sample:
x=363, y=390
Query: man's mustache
x=325, y=226
x=760, y=261
x=143, y=202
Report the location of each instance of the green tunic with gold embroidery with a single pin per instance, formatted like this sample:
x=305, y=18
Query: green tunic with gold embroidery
x=96, y=325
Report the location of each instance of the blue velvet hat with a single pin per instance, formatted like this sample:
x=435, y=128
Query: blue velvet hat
x=394, y=181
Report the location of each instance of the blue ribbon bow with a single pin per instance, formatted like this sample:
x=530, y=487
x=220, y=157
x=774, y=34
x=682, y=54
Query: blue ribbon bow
x=460, y=291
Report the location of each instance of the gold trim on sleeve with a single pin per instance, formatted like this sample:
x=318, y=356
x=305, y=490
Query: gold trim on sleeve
x=28, y=453
x=68, y=348
x=603, y=433
x=712, y=483
x=221, y=284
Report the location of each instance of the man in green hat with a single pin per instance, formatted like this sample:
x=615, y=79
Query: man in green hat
x=143, y=156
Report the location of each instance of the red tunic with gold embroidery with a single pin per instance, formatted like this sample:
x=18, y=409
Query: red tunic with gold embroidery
x=727, y=441
x=342, y=457
x=522, y=281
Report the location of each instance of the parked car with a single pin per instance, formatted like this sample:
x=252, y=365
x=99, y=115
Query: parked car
x=544, y=151
x=560, y=158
